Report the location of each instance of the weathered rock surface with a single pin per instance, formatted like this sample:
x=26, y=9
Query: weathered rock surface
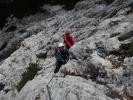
x=98, y=69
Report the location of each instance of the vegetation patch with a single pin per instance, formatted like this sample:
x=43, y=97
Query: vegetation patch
x=126, y=36
x=115, y=34
x=93, y=71
x=29, y=74
x=126, y=50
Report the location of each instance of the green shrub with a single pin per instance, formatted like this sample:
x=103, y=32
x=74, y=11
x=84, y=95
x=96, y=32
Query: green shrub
x=115, y=34
x=125, y=50
x=29, y=74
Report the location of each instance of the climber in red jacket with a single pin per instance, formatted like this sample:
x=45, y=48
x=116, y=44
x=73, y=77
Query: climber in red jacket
x=69, y=40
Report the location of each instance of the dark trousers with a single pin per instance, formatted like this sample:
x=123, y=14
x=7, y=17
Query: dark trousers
x=58, y=66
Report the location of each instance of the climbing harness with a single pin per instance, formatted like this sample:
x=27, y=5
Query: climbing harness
x=48, y=89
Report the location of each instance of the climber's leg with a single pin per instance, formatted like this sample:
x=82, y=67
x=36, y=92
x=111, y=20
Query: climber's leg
x=58, y=65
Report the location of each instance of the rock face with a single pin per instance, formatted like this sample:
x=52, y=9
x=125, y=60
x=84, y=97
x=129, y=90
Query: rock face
x=101, y=62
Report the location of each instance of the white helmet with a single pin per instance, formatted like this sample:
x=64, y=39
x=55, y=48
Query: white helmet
x=60, y=45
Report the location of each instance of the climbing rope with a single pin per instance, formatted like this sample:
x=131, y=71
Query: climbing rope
x=48, y=89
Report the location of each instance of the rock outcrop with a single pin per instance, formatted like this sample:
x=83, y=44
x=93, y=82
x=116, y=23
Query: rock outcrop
x=101, y=62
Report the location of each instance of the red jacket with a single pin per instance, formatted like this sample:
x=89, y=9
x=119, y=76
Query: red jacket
x=69, y=40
